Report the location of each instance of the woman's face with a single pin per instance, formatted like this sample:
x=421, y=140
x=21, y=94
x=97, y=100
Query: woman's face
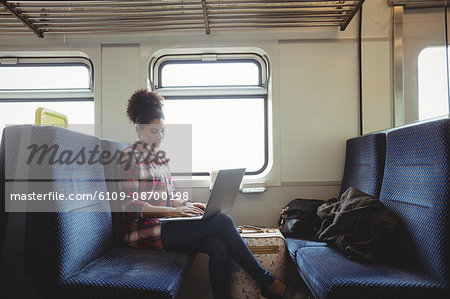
x=153, y=133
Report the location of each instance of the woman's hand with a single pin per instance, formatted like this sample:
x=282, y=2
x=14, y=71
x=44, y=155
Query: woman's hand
x=199, y=205
x=186, y=211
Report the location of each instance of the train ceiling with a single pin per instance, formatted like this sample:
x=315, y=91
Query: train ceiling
x=114, y=16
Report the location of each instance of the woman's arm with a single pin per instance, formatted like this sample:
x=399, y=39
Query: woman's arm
x=129, y=183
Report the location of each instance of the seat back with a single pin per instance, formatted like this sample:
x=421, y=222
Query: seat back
x=416, y=188
x=3, y=214
x=11, y=137
x=114, y=148
x=364, y=163
x=62, y=236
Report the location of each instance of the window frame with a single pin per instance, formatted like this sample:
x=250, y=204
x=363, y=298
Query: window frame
x=232, y=60
x=163, y=57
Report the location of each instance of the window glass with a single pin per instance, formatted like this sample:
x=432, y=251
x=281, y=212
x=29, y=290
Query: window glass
x=209, y=74
x=23, y=77
x=432, y=83
x=226, y=133
x=23, y=113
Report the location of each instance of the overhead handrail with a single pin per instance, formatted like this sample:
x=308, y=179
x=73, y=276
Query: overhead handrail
x=98, y=16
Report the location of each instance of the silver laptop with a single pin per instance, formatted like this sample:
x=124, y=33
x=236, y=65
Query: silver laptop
x=222, y=195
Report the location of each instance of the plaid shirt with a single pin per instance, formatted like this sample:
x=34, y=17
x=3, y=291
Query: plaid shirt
x=145, y=182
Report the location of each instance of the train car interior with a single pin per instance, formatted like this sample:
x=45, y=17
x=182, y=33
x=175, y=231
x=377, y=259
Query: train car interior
x=241, y=149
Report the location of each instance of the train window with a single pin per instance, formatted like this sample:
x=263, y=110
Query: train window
x=432, y=83
x=224, y=97
x=61, y=84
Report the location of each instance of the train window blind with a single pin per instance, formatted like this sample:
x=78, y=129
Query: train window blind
x=224, y=97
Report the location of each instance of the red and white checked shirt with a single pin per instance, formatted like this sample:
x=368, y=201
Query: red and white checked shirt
x=146, y=182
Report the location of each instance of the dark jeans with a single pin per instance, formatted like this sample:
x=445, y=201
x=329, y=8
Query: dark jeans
x=217, y=237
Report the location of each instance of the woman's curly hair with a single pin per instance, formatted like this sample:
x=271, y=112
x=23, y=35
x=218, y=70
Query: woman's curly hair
x=145, y=106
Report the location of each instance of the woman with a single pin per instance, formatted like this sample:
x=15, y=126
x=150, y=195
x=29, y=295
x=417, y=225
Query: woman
x=216, y=236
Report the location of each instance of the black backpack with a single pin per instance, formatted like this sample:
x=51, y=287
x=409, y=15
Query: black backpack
x=299, y=218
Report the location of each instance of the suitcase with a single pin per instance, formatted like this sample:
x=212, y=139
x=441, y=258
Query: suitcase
x=269, y=248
